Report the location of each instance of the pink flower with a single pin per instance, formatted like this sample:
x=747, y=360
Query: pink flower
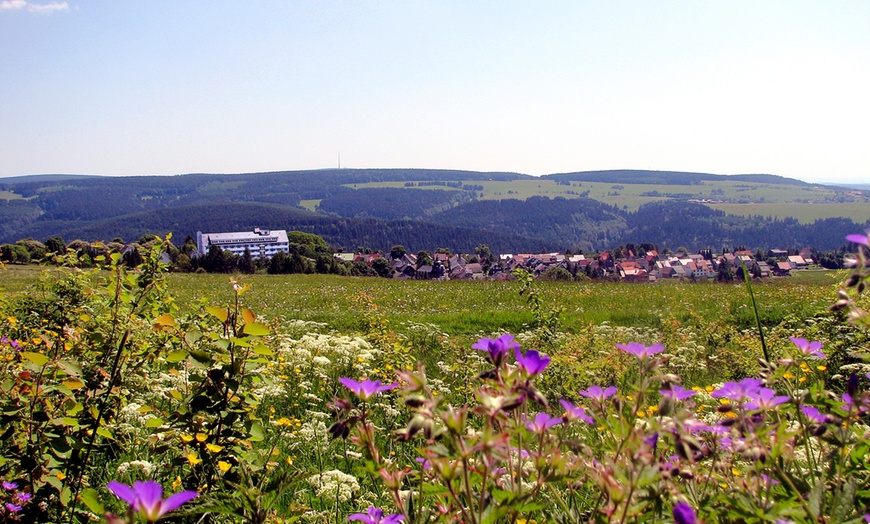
x=497, y=348
x=367, y=388
x=598, y=394
x=146, y=498
x=375, y=515
x=573, y=412
x=808, y=348
x=533, y=362
x=639, y=350
x=684, y=514
x=859, y=239
x=542, y=422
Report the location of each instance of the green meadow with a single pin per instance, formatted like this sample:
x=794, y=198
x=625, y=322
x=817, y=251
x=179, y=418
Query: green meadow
x=805, y=203
x=317, y=398
x=469, y=309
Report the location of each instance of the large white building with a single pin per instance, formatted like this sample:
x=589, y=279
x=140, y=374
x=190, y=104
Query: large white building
x=263, y=243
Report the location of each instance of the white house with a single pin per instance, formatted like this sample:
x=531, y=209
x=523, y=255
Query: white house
x=262, y=243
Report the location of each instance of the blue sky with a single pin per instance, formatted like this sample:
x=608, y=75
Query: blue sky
x=165, y=87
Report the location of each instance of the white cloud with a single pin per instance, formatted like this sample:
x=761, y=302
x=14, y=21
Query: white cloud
x=12, y=4
x=51, y=7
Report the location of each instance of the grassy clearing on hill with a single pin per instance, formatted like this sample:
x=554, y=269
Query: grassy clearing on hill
x=804, y=213
x=748, y=198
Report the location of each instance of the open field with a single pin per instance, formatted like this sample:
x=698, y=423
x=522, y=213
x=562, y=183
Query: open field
x=251, y=405
x=805, y=203
x=468, y=310
x=804, y=213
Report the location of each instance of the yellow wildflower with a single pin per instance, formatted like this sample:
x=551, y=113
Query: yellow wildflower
x=185, y=437
x=214, y=448
x=224, y=466
x=193, y=459
x=201, y=437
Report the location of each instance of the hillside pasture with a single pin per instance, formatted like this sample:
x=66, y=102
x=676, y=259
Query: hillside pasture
x=804, y=213
x=790, y=199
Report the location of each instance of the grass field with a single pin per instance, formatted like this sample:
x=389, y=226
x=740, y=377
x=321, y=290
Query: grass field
x=804, y=213
x=805, y=203
x=471, y=309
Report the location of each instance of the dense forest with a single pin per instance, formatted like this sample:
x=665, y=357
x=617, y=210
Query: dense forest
x=428, y=208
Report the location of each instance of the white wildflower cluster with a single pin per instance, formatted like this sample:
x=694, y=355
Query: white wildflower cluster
x=133, y=415
x=334, y=485
x=146, y=467
x=325, y=352
x=313, y=434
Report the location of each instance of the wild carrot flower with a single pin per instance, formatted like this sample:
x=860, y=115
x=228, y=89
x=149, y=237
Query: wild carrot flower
x=684, y=514
x=375, y=515
x=532, y=362
x=639, y=350
x=367, y=388
x=146, y=498
x=808, y=348
x=497, y=348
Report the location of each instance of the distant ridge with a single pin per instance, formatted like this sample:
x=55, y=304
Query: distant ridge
x=680, y=178
x=24, y=179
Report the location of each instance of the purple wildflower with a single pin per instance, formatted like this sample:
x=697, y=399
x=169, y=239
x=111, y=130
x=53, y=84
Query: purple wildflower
x=598, y=394
x=676, y=392
x=639, y=350
x=573, y=412
x=367, y=388
x=9, y=486
x=23, y=496
x=815, y=415
x=738, y=391
x=497, y=348
x=859, y=239
x=684, y=514
x=766, y=398
x=424, y=463
x=532, y=362
x=14, y=508
x=146, y=498
x=375, y=515
x=808, y=348
x=542, y=422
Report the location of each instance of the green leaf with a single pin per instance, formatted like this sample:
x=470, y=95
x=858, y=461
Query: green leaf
x=255, y=329
x=261, y=349
x=154, y=422
x=105, y=433
x=218, y=312
x=192, y=336
x=257, y=433
x=92, y=500
x=176, y=356
x=37, y=358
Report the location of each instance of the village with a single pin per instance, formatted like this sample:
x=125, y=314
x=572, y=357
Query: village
x=651, y=266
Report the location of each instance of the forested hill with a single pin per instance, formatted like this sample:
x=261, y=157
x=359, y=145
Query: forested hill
x=341, y=233
x=422, y=208
x=671, y=178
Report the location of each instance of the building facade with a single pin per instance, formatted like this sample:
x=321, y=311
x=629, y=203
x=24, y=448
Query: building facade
x=262, y=243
